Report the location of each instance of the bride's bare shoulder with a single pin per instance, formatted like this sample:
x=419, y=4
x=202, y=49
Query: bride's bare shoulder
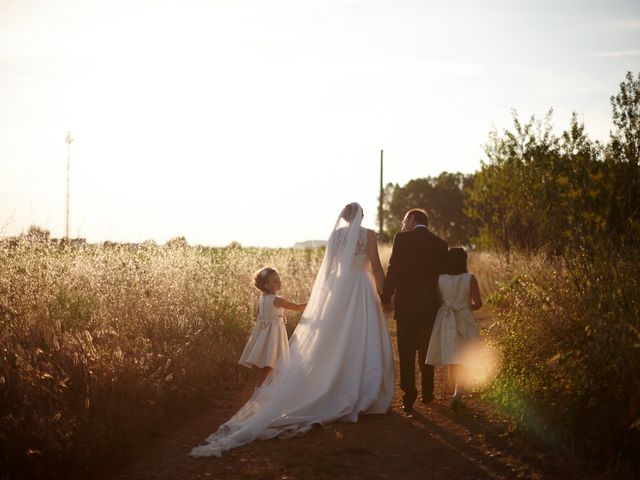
x=369, y=237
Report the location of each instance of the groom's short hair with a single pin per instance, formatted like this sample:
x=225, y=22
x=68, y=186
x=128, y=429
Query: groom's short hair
x=419, y=216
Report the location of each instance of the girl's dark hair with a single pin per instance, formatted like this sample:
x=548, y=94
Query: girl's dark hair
x=261, y=277
x=456, y=262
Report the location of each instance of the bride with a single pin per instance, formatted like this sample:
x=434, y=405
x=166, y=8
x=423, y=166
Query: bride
x=341, y=361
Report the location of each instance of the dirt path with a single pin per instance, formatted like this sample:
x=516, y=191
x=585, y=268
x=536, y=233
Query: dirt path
x=433, y=442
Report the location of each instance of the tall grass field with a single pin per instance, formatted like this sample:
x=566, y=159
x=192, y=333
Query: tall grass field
x=100, y=344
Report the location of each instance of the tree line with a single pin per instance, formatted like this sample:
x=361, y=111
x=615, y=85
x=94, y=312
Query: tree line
x=537, y=189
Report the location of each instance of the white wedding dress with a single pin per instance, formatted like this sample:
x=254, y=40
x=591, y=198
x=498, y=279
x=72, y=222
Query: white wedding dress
x=341, y=362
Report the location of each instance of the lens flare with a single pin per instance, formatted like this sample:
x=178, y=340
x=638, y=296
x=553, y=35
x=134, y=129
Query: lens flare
x=483, y=363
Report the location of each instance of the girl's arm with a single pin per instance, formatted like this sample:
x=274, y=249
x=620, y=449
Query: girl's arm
x=476, y=300
x=374, y=260
x=279, y=302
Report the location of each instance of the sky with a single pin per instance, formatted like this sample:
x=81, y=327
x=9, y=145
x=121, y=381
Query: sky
x=256, y=121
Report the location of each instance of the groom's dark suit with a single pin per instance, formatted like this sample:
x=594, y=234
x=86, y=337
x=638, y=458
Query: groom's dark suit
x=417, y=258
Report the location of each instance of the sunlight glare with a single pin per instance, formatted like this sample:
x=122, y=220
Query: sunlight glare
x=483, y=362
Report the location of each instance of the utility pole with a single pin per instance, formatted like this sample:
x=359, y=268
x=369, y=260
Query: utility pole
x=381, y=199
x=68, y=141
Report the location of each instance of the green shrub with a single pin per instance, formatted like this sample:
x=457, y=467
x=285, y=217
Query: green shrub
x=569, y=333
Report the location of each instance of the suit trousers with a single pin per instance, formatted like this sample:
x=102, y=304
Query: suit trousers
x=413, y=334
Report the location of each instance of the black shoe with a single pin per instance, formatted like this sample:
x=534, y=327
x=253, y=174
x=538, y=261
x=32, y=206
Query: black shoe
x=406, y=408
x=456, y=404
x=426, y=399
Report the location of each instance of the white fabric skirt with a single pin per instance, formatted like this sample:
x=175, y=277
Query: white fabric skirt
x=267, y=344
x=452, y=331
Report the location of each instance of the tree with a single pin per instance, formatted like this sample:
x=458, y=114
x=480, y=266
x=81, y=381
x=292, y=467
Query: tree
x=510, y=194
x=442, y=197
x=625, y=139
x=37, y=234
x=624, y=153
x=177, y=242
x=537, y=190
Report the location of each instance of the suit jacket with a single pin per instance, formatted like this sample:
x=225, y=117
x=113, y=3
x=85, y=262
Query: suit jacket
x=417, y=259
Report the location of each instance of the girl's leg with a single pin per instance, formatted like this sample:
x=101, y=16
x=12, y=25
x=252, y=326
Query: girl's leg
x=460, y=375
x=264, y=374
x=451, y=370
x=456, y=376
x=454, y=371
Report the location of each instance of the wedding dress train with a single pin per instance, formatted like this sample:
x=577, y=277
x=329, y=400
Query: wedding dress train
x=341, y=362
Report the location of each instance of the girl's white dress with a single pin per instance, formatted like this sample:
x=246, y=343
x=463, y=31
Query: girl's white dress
x=268, y=342
x=454, y=326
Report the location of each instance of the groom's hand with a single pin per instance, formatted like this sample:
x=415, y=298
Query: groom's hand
x=387, y=307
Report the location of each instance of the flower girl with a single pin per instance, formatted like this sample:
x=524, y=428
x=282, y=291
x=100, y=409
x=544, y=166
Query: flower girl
x=455, y=327
x=268, y=342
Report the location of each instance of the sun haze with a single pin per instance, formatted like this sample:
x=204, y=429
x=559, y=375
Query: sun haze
x=257, y=121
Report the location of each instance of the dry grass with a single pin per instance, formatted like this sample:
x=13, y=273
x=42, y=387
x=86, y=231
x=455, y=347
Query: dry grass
x=490, y=269
x=99, y=344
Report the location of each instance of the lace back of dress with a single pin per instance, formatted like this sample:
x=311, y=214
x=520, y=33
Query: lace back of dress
x=361, y=244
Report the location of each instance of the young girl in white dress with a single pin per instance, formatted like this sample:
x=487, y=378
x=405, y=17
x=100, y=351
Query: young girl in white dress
x=268, y=342
x=455, y=327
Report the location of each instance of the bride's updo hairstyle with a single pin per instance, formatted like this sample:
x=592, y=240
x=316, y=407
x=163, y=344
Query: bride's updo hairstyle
x=262, y=276
x=456, y=262
x=349, y=212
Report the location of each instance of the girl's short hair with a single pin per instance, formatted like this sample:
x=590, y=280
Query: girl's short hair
x=456, y=262
x=262, y=276
x=419, y=216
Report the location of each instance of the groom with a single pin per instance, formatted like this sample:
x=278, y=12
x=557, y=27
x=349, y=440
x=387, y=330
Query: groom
x=417, y=258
